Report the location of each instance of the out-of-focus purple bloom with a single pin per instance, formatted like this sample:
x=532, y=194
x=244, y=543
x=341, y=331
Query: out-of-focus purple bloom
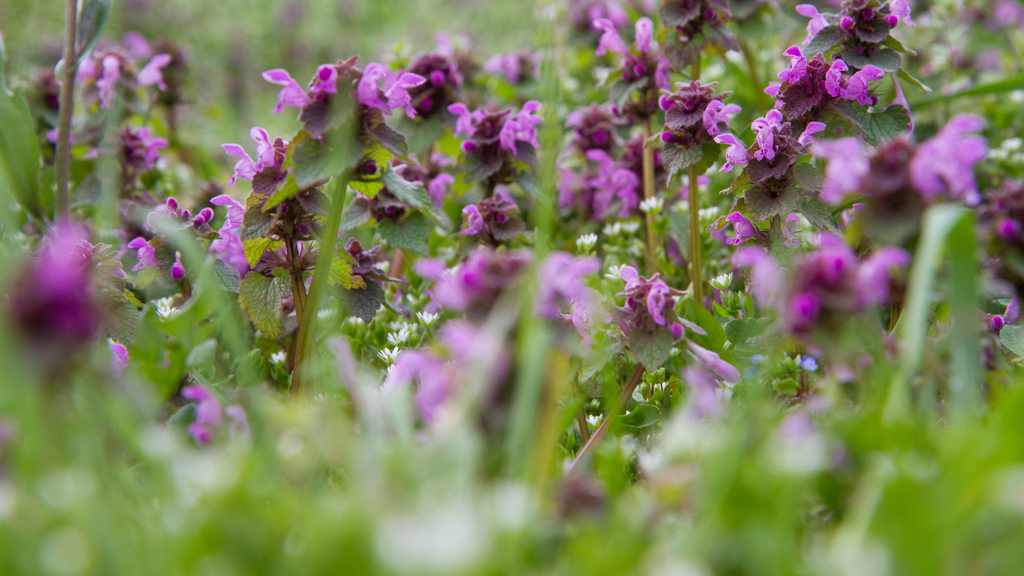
x=706, y=401
x=177, y=269
x=817, y=23
x=208, y=413
x=145, y=254
x=611, y=183
x=586, y=314
x=434, y=383
x=107, y=83
x=744, y=229
x=848, y=164
x=713, y=362
x=151, y=74
x=561, y=282
x=650, y=303
x=857, y=87
x=478, y=282
x=803, y=311
x=291, y=94
x=873, y=274
x=789, y=229
x=610, y=40
x=644, y=34
x=246, y=168
x=766, y=276
x=735, y=154
x=901, y=10
x=325, y=80
x=474, y=221
x=137, y=45
x=118, y=357
x=238, y=423
x=438, y=186
x=382, y=89
x=945, y=163
x=663, y=75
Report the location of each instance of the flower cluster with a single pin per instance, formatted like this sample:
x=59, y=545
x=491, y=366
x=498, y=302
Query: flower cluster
x=209, y=416
x=825, y=287
x=861, y=27
x=493, y=220
x=642, y=69
x=115, y=67
x=494, y=138
x=694, y=113
x=693, y=25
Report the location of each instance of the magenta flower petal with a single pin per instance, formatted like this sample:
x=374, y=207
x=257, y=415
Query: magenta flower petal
x=151, y=74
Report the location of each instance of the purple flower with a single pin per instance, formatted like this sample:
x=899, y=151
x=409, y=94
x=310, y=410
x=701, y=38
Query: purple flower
x=857, y=87
x=145, y=254
x=474, y=221
x=292, y=94
x=119, y=357
x=803, y=312
x=385, y=90
x=208, y=413
x=945, y=164
x=766, y=276
x=650, y=303
x=663, y=75
x=744, y=229
x=611, y=183
x=325, y=80
x=438, y=186
x=817, y=23
x=151, y=74
x=713, y=362
x=901, y=9
x=848, y=164
x=807, y=137
x=177, y=269
x=586, y=314
x=610, y=40
x=478, y=282
x=246, y=168
x=765, y=138
x=434, y=383
x=137, y=45
x=228, y=247
x=834, y=78
x=561, y=282
x=873, y=274
x=735, y=154
x=718, y=113
x=789, y=230
x=238, y=424
x=797, y=66
x=108, y=82
x=644, y=34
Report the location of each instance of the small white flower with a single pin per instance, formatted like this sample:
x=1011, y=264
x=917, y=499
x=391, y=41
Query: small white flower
x=1012, y=144
x=277, y=357
x=1017, y=96
x=612, y=229
x=586, y=242
x=427, y=319
x=613, y=272
x=165, y=308
x=722, y=282
x=388, y=355
x=652, y=205
x=708, y=213
x=593, y=420
x=382, y=266
x=400, y=337
x=630, y=227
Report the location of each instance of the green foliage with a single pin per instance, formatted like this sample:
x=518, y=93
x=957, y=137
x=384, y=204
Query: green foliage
x=260, y=297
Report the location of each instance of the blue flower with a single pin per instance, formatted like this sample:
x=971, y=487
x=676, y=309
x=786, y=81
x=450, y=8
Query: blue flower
x=809, y=364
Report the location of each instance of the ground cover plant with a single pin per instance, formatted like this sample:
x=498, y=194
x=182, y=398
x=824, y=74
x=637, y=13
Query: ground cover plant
x=676, y=287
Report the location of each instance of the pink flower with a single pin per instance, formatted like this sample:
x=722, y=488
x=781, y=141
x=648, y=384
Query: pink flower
x=807, y=137
x=945, y=164
x=718, y=113
x=474, y=221
x=119, y=357
x=766, y=276
x=848, y=163
x=765, y=138
x=644, y=34
x=292, y=94
x=137, y=45
x=901, y=9
x=873, y=274
x=656, y=301
x=151, y=74
x=561, y=282
x=744, y=229
x=789, y=230
x=857, y=87
x=145, y=254
x=246, y=168
x=610, y=39
x=437, y=187
x=663, y=75
x=434, y=382
x=713, y=362
x=378, y=81
x=325, y=81
x=108, y=82
x=797, y=66
x=177, y=269
x=208, y=413
x=834, y=78
x=735, y=154
x=817, y=23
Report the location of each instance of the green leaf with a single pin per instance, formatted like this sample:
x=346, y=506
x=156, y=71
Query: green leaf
x=904, y=75
x=287, y=188
x=412, y=234
x=226, y=277
x=313, y=160
x=415, y=195
x=1013, y=338
x=261, y=299
x=368, y=188
x=91, y=20
x=19, y=152
x=642, y=416
x=363, y=303
x=818, y=214
x=678, y=159
x=599, y=356
x=739, y=331
x=254, y=249
x=810, y=177
x=898, y=46
x=887, y=59
x=355, y=215
x=761, y=205
x=250, y=369
x=202, y=355
x=884, y=125
x=651, y=349
x=1015, y=82
x=715, y=339
x=256, y=223
x=341, y=274
x=824, y=41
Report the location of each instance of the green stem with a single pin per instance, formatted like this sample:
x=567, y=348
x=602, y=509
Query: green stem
x=67, y=104
x=696, y=258
x=602, y=429
x=304, y=340
x=648, y=166
x=754, y=80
